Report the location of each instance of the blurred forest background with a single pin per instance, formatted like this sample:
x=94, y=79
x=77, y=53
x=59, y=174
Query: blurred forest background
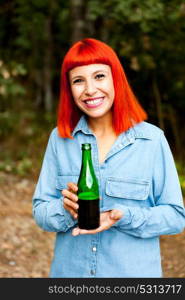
x=147, y=35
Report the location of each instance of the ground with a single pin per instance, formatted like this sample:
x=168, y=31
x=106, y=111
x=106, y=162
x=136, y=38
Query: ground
x=26, y=250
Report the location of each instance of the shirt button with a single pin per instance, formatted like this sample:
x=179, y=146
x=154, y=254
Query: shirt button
x=94, y=249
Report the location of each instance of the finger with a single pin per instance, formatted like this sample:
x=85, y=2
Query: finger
x=75, y=231
x=116, y=214
x=70, y=203
x=72, y=186
x=94, y=231
x=71, y=211
x=69, y=208
x=105, y=224
x=70, y=195
x=78, y=231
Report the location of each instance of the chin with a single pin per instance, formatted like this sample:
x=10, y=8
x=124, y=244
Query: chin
x=95, y=116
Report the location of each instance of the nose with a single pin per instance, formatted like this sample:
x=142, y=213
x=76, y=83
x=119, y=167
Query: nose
x=90, y=88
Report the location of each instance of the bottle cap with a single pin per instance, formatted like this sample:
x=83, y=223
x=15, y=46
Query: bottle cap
x=86, y=146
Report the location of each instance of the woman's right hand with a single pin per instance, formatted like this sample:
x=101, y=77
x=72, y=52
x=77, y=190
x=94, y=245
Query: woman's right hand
x=70, y=199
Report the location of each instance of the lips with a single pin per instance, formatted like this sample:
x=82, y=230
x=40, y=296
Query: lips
x=93, y=102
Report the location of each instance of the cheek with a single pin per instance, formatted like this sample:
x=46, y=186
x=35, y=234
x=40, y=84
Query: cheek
x=113, y=94
x=76, y=92
x=108, y=87
x=111, y=90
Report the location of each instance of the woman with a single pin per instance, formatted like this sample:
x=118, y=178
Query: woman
x=140, y=193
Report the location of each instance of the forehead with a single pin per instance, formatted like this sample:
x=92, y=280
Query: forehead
x=87, y=69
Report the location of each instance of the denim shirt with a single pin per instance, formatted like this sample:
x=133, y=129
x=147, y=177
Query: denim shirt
x=137, y=177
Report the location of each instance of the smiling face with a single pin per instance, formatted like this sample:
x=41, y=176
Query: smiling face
x=92, y=89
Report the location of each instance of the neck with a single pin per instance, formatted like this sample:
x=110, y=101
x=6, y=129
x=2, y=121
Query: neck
x=101, y=126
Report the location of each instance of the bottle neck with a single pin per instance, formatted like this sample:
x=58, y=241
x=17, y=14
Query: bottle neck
x=87, y=159
x=87, y=183
x=86, y=156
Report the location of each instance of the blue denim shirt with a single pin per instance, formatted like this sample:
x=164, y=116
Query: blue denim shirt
x=137, y=177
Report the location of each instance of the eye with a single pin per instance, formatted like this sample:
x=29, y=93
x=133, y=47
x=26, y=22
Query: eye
x=77, y=81
x=99, y=76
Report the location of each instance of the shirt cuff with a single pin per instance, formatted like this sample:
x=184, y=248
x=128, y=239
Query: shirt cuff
x=58, y=216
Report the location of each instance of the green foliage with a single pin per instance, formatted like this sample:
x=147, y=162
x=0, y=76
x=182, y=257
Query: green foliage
x=21, y=168
x=23, y=140
x=181, y=174
x=9, y=79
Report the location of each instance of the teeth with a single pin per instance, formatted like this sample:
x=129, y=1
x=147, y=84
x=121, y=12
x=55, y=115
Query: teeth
x=94, y=101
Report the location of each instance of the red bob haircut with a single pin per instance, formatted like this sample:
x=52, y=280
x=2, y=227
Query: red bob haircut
x=126, y=109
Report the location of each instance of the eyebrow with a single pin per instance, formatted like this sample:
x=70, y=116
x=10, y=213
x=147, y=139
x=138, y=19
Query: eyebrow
x=93, y=74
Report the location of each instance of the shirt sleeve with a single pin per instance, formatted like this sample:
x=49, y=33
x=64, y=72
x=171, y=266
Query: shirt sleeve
x=168, y=214
x=48, y=210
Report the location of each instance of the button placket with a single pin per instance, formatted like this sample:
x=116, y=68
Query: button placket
x=94, y=247
x=95, y=238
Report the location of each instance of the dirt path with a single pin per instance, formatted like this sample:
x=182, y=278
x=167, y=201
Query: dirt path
x=26, y=250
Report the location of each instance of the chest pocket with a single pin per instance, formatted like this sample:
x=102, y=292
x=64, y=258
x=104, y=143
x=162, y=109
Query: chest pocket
x=62, y=181
x=130, y=189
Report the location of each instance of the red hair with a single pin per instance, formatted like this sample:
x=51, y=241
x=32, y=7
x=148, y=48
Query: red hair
x=126, y=109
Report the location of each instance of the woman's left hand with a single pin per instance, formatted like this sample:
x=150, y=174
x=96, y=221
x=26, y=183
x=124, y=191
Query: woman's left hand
x=107, y=219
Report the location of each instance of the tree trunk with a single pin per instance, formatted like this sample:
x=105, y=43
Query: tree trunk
x=174, y=125
x=38, y=92
x=47, y=68
x=77, y=20
x=158, y=103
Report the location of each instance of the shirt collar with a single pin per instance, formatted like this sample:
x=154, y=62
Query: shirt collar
x=82, y=126
x=138, y=131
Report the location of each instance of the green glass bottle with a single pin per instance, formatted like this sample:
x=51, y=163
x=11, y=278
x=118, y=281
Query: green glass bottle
x=88, y=192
